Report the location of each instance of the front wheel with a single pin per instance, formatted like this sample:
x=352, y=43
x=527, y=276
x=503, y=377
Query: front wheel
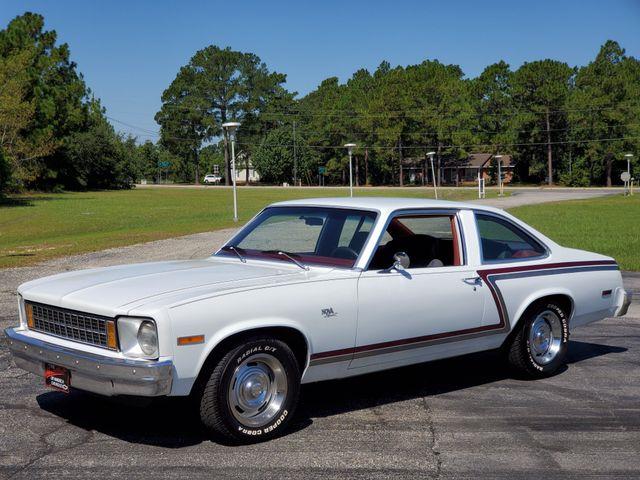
x=539, y=347
x=252, y=392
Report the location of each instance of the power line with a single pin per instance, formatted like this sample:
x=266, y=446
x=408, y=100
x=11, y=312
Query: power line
x=472, y=130
x=133, y=126
x=429, y=147
x=362, y=133
x=391, y=113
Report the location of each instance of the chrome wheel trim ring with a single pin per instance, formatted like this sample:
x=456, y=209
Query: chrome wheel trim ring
x=257, y=390
x=545, y=337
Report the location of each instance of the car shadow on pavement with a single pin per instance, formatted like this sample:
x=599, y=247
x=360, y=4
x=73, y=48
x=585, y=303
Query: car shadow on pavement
x=424, y=380
x=173, y=423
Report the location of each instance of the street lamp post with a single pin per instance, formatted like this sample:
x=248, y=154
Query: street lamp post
x=628, y=156
x=350, y=147
x=499, y=159
x=230, y=128
x=433, y=174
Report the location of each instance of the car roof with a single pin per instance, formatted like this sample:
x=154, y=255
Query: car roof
x=384, y=205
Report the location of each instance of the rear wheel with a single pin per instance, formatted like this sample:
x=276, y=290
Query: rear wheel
x=539, y=347
x=252, y=392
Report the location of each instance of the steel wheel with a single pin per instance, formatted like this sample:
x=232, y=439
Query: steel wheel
x=257, y=390
x=545, y=337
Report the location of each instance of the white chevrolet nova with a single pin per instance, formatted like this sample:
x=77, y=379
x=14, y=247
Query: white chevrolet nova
x=312, y=290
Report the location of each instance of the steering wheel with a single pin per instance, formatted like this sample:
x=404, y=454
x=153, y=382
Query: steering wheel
x=347, y=253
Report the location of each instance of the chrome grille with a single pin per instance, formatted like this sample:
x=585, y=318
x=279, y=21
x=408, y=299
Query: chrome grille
x=76, y=326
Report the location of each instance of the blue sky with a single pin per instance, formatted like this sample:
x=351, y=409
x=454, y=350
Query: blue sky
x=129, y=51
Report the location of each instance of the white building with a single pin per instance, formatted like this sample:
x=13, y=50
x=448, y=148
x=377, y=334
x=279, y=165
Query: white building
x=241, y=175
x=241, y=170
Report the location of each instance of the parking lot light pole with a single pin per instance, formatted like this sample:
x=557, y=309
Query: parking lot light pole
x=499, y=160
x=350, y=147
x=433, y=174
x=230, y=128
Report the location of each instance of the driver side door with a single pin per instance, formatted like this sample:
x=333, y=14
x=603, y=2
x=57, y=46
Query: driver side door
x=437, y=299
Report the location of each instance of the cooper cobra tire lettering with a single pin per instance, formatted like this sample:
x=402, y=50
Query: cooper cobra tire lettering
x=220, y=394
x=543, y=323
x=270, y=428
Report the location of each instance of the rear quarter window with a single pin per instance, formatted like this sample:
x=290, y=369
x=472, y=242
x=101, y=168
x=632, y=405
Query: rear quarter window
x=501, y=240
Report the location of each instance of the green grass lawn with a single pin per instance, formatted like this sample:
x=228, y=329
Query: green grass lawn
x=40, y=226
x=607, y=225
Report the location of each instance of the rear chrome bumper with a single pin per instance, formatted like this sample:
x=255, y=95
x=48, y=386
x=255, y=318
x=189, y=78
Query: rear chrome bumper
x=623, y=302
x=93, y=373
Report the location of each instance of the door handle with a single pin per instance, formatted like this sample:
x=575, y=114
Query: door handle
x=475, y=281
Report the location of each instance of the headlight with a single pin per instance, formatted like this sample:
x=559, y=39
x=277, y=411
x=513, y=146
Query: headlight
x=148, y=338
x=138, y=337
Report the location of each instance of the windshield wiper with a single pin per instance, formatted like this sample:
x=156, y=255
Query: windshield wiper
x=233, y=249
x=288, y=256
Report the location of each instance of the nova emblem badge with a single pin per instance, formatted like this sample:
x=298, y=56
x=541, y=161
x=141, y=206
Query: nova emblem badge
x=328, y=312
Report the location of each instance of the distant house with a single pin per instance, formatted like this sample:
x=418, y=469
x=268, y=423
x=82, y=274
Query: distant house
x=241, y=170
x=241, y=175
x=415, y=170
x=457, y=172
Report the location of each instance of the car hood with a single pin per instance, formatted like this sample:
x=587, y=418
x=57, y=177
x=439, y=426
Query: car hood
x=117, y=290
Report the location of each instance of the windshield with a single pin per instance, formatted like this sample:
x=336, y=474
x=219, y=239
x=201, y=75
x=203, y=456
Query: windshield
x=314, y=235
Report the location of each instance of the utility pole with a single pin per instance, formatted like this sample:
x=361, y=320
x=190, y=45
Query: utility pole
x=357, y=181
x=433, y=174
x=549, y=156
x=498, y=159
x=350, y=147
x=366, y=166
x=400, y=157
x=295, y=157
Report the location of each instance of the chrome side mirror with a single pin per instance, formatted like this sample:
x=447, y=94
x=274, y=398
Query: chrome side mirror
x=401, y=261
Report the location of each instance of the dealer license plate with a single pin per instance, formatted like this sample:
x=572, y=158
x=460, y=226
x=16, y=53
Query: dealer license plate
x=58, y=378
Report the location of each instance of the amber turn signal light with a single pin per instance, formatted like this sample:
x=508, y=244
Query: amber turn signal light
x=112, y=341
x=191, y=340
x=28, y=308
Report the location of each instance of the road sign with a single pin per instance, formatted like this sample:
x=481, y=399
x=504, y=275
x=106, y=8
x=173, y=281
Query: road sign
x=625, y=177
x=322, y=170
x=164, y=164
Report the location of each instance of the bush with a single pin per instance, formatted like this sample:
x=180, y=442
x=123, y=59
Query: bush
x=274, y=158
x=577, y=178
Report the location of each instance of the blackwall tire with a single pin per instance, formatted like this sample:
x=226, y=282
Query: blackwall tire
x=252, y=392
x=539, y=347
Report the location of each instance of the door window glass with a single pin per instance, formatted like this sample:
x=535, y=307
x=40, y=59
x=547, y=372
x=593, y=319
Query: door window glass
x=428, y=240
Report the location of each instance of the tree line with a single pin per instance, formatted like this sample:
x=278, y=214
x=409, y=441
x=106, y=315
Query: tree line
x=53, y=131
x=560, y=123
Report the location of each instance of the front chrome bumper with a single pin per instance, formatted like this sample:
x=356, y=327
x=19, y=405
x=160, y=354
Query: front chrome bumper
x=93, y=373
x=624, y=301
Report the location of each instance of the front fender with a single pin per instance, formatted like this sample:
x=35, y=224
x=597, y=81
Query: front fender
x=248, y=325
x=190, y=359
